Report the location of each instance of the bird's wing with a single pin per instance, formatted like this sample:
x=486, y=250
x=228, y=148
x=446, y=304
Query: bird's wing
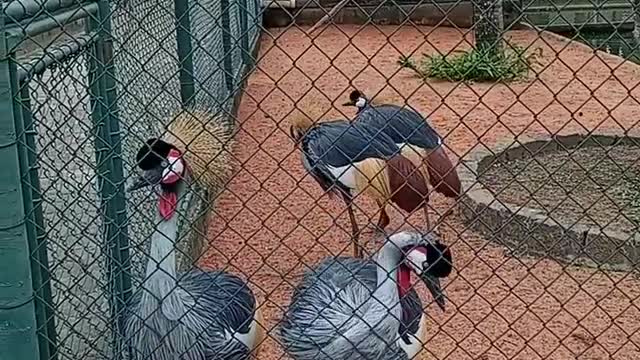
x=341, y=143
x=326, y=304
x=317, y=169
x=217, y=322
x=401, y=124
x=411, y=316
x=228, y=306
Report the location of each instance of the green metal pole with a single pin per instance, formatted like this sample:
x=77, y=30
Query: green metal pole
x=110, y=167
x=225, y=7
x=244, y=34
x=18, y=323
x=185, y=51
x=37, y=235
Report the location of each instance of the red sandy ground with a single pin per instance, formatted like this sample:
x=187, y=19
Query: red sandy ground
x=273, y=220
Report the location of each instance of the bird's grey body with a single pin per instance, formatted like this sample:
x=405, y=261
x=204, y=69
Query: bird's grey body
x=198, y=315
x=339, y=143
x=404, y=126
x=331, y=146
x=337, y=287
x=348, y=308
x=218, y=313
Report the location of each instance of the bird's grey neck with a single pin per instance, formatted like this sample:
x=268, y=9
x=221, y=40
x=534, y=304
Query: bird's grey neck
x=387, y=274
x=388, y=259
x=161, y=266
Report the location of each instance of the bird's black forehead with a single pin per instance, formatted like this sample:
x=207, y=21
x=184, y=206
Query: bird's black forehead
x=439, y=259
x=152, y=153
x=355, y=95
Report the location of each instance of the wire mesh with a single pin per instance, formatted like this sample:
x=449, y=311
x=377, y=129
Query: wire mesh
x=71, y=210
x=543, y=130
x=149, y=93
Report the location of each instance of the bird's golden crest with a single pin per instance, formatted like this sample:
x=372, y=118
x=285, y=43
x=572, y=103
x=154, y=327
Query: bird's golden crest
x=205, y=141
x=300, y=124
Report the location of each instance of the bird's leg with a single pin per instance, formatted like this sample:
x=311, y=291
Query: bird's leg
x=426, y=216
x=357, y=252
x=383, y=221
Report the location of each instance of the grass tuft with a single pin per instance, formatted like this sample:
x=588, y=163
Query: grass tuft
x=480, y=65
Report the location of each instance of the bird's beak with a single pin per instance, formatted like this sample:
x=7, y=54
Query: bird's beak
x=417, y=259
x=433, y=284
x=349, y=103
x=148, y=178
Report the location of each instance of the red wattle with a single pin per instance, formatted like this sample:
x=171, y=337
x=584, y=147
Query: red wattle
x=167, y=204
x=404, y=279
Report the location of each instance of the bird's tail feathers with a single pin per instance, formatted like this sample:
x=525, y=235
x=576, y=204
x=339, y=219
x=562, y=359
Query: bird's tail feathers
x=372, y=179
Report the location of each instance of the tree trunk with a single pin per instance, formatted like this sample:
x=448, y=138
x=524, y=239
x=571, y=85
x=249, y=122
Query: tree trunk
x=489, y=24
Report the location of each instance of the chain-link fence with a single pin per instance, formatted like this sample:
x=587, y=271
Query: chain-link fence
x=91, y=81
x=526, y=179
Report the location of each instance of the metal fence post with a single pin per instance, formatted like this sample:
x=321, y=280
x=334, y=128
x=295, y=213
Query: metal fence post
x=226, y=46
x=185, y=52
x=108, y=145
x=18, y=314
x=244, y=34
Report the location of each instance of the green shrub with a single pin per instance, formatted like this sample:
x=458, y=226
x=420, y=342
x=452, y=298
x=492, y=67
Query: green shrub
x=482, y=65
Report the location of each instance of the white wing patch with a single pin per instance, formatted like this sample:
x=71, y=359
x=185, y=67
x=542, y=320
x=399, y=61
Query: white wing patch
x=416, y=342
x=345, y=174
x=250, y=338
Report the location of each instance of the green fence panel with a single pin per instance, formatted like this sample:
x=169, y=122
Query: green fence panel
x=19, y=314
x=39, y=255
x=185, y=51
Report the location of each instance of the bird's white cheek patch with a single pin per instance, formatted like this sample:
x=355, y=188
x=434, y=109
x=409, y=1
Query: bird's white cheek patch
x=361, y=102
x=175, y=170
x=168, y=199
x=416, y=258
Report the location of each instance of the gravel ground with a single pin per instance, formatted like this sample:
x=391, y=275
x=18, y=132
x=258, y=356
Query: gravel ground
x=593, y=186
x=273, y=221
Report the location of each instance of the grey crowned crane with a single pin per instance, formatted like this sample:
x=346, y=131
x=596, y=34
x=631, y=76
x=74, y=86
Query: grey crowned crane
x=203, y=139
x=346, y=159
x=197, y=315
x=415, y=137
x=347, y=308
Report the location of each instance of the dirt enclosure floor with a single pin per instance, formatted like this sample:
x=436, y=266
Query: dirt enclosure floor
x=273, y=220
x=592, y=186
